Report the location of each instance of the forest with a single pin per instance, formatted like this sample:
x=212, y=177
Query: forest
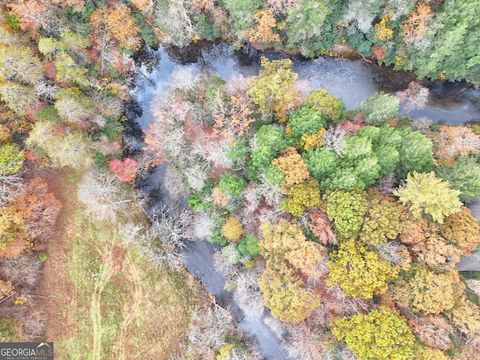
x=333, y=231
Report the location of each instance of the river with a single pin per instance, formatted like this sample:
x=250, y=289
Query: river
x=351, y=80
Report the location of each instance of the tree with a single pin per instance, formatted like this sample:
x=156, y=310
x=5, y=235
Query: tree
x=328, y=105
x=18, y=98
x=322, y=228
x=425, y=194
x=73, y=106
x=346, y=209
x=456, y=141
x=416, y=25
x=306, y=121
x=125, y=170
x=269, y=141
x=263, y=33
x=446, y=54
x=300, y=197
x=415, y=153
x=33, y=15
x=68, y=71
x=11, y=159
x=286, y=241
x=380, y=107
x=463, y=176
x=383, y=220
x=241, y=12
x=465, y=317
x=13, y=232
x=102, y=195
x=119, y=23
x=462, y=229
x=427, y=292
x=232, y=229
x=232, y=185
x=321, y=162
x=273, y=90
x=379, y=335
x=248, y=246
x=19, y=64
x=283, y=293
x=311, y=27
x=437, y=253
x=291, y=164
x=358, y=271
x=39, y=208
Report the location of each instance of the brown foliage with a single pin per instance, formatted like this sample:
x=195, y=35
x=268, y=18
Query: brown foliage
x=118, y=23
x=456, y=141
x=463, y=230
x=294, y=169
x=32, y=14
x=39, y=208
x=322, y=228
x=437, y=253
x=432, y=331
x=416, y=25
x=263, y=33
x=125, y=170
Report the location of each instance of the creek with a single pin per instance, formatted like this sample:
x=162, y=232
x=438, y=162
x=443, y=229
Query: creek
x=351, y=80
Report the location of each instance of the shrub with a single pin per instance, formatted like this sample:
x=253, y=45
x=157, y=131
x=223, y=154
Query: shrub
x=291, y=164
x=301, y=197
x=232, y=229
x=463, y=230
x=427, y=292
x=464, y=176
x=380, y=107
x=346, y=210
x=382, y=222
x=358, y=271
x=306, y=121
x=232, y=185
x=11, y=159
x=9, y=330
x=379, y=335
x=328, y=105
x=427, y=353
x=283, y=293
x=425, y=194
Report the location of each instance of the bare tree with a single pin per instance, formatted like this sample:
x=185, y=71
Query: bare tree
x=335, y=140
x=208, y=330
x=102, y=195
x=248, y=296
x=10, y=187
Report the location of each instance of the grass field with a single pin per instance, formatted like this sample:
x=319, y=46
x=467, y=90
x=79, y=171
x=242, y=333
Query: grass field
x=109, y=303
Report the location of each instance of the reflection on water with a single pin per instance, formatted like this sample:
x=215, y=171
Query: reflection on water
x=351, y=80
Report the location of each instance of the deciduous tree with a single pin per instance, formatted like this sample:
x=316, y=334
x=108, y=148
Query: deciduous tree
x=425, y=194
x=358, y=271
x=379, y=335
